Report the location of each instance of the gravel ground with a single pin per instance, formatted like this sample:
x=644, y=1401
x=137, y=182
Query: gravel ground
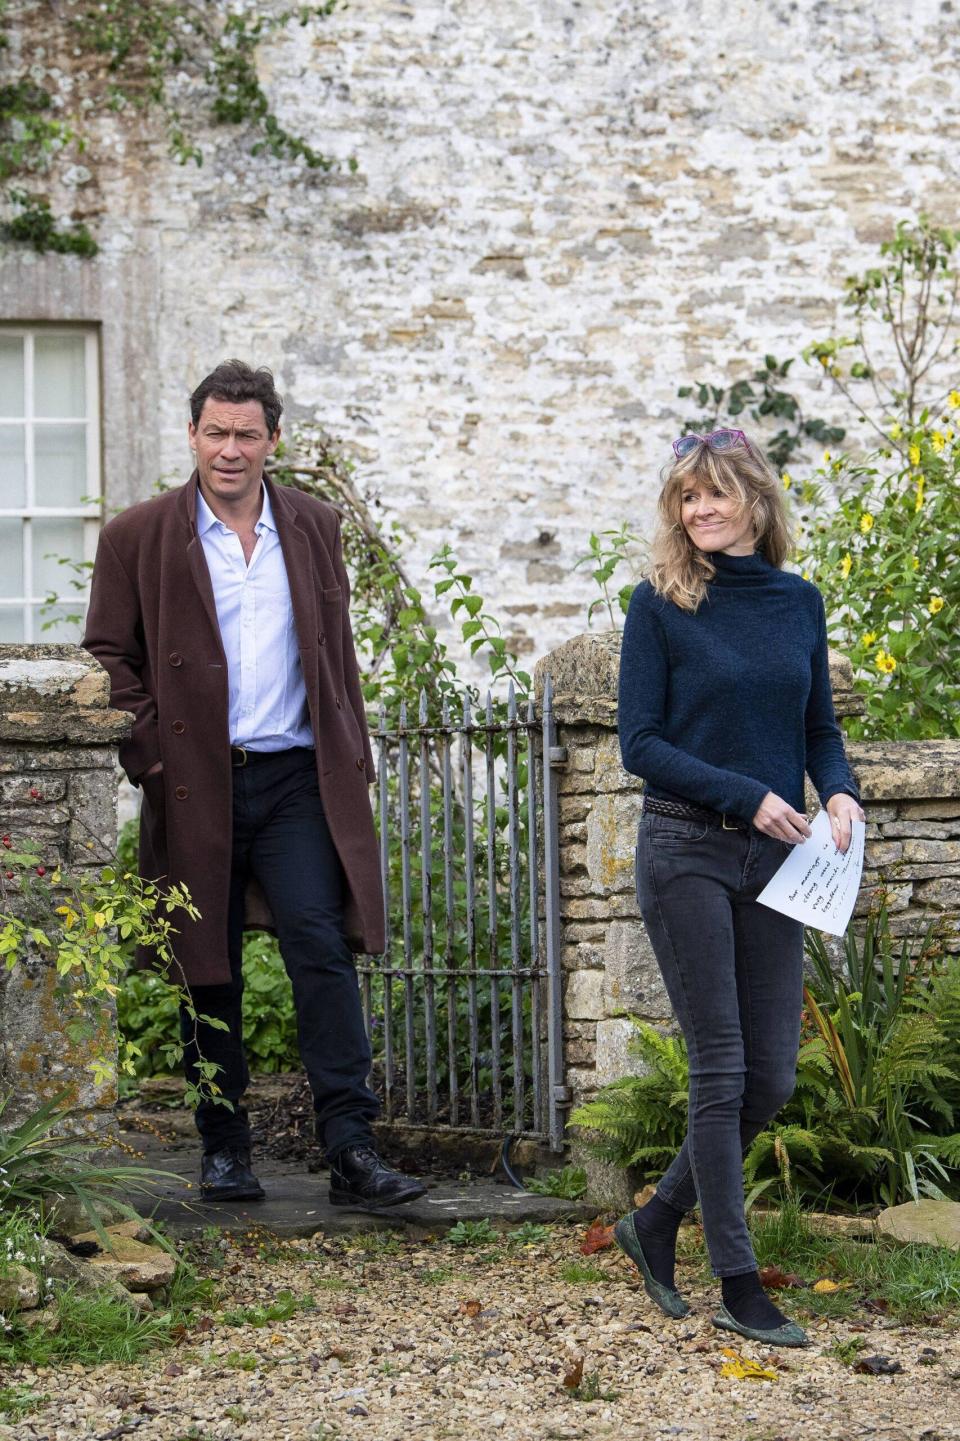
x=413, y=1339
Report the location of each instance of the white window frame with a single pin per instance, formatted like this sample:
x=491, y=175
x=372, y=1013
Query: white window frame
x=91, y=513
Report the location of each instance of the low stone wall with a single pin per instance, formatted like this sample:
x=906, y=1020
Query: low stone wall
x=911, y=793
x=58, y=788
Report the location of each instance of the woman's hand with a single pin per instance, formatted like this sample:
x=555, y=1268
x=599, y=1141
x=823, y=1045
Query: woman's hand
x=775, y=818
x=843, y=810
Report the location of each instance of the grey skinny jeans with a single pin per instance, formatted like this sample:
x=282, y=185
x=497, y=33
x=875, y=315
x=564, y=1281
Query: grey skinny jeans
x=733, y=970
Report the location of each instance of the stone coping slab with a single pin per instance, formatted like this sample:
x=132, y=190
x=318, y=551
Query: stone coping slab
x=297, y=1203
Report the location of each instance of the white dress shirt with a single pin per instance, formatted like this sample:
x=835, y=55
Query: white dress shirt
x=268, y=698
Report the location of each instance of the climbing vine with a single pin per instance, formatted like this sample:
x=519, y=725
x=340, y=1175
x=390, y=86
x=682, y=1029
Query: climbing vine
x=174, y=58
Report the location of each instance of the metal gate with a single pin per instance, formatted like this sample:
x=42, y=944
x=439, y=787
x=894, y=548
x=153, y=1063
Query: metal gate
x=464, y=1008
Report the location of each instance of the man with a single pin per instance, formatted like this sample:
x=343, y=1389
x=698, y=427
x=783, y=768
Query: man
x=220, y=612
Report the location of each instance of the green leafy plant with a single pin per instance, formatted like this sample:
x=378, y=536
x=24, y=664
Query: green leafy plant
x=529, y=1234
x=284, y=1305
x=606, y=553
x=40, y=1167
x=569, y=1183
x=472, y=1234
x=641, y=1120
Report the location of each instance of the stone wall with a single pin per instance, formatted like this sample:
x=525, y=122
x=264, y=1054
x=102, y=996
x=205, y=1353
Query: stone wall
x=58, y=788
x=911, y=794
x=561, y=213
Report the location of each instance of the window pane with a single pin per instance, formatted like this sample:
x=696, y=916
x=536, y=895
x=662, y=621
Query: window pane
x=60, y=464
x=11, y=622
x=11, y=375
x=58, y=375
x=13, y=476
x=11, y=557
x=50, y=540
x=61, y=622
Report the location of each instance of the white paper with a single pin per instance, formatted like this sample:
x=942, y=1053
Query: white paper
x=816, y=883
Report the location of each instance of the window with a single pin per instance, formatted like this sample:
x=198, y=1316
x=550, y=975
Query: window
x=49, y=476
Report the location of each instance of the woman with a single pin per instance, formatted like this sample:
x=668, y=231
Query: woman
x=724, y=703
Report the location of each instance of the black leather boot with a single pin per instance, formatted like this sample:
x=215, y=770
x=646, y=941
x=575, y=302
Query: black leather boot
x=358, y=1177
x=226, y=1176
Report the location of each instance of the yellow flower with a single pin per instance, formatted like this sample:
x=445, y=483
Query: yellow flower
x=826, y=457
x=787, y=480
x=936, y=604
x=884, y=663
x=916, y=562
x=919, y=504
x=914, y=454
x=949, y=432
x=868, y=638
x=845, y=565
x=953, y=400
x=806, y=575
x=896, y=430
x=937, y=441
x=866, y=522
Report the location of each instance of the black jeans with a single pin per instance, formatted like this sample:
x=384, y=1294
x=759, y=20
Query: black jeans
x=280, y=836
x=733, y=970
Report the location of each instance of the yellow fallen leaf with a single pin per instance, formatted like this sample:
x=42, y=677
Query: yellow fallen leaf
x=276, y=1339
x=827, y=1285
x=741, y=1368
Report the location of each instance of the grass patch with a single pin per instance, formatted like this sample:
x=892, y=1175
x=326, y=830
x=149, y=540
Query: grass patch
x=582, y=1273
x=591, y=1389
x=92, y=1330
x=18, y=1401
x=912, y=1283
x=284, y=1305
x=437, y=1275
x=376, y=1243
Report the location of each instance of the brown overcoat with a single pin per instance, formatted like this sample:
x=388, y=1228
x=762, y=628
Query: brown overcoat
x=152, y=623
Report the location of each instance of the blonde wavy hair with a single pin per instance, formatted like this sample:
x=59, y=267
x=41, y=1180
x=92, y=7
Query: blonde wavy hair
x=679, y=570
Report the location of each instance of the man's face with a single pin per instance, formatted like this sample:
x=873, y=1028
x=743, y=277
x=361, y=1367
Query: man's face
x=231, y=443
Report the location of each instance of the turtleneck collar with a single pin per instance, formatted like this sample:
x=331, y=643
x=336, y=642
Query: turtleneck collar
x=740, y=569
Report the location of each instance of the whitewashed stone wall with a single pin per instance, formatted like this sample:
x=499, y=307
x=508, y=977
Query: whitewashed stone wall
x=562, y=212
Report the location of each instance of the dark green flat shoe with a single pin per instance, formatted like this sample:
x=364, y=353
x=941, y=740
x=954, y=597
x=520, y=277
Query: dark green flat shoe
x=789, y=1334
x=671, y=1303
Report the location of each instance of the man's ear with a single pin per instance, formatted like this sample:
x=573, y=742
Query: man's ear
x=274, y=441
x=192, y=436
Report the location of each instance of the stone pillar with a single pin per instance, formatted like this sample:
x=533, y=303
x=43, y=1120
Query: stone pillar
x=58, y=788
x=911, y=791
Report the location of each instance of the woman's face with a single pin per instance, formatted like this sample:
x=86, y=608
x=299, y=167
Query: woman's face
x=715, y=521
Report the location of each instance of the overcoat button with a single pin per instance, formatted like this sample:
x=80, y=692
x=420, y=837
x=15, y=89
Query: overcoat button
x=360, y=763
x=175, y=658
x=181, y=793
x=321, y=639
x=178, y=728
x=339, y=705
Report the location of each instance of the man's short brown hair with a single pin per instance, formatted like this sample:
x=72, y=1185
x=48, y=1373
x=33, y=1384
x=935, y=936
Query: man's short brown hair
x=238, y=382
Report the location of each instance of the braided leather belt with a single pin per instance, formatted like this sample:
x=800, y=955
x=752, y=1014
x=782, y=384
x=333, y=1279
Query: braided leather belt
x=679, y=810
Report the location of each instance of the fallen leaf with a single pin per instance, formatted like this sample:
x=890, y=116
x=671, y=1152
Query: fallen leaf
x=741, y=1368
x=205, y=1323
x=338, y=1353
x=276, y=1339
x=878, y=1305
x=825, y=1286
x=471, y=1308
x=597, y=1238
x=573, y=1375
x=173, y=1369
x=777, y=1280
x=877, y=1366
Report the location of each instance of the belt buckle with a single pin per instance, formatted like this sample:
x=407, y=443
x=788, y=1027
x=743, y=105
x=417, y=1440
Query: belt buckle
x=242, y=751
x=724, y=826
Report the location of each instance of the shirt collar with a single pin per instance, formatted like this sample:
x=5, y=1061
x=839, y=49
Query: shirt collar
x=206, y=519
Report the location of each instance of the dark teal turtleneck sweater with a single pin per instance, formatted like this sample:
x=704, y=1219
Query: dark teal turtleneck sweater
x=719, y=707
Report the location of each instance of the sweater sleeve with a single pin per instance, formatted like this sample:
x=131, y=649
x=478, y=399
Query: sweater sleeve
x=642, y=715
x=826, y=761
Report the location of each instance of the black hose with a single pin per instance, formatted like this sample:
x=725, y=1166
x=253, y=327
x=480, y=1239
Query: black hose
x=512, y=1176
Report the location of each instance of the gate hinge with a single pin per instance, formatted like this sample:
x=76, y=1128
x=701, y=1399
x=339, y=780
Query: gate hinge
x=561, y=1095
x=557, y=756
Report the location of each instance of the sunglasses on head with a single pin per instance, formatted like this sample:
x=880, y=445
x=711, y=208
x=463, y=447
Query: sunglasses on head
x=716, y=440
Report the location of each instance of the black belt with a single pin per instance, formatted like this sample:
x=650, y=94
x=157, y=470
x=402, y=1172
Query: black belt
x=240, y=756
x=680, y=810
